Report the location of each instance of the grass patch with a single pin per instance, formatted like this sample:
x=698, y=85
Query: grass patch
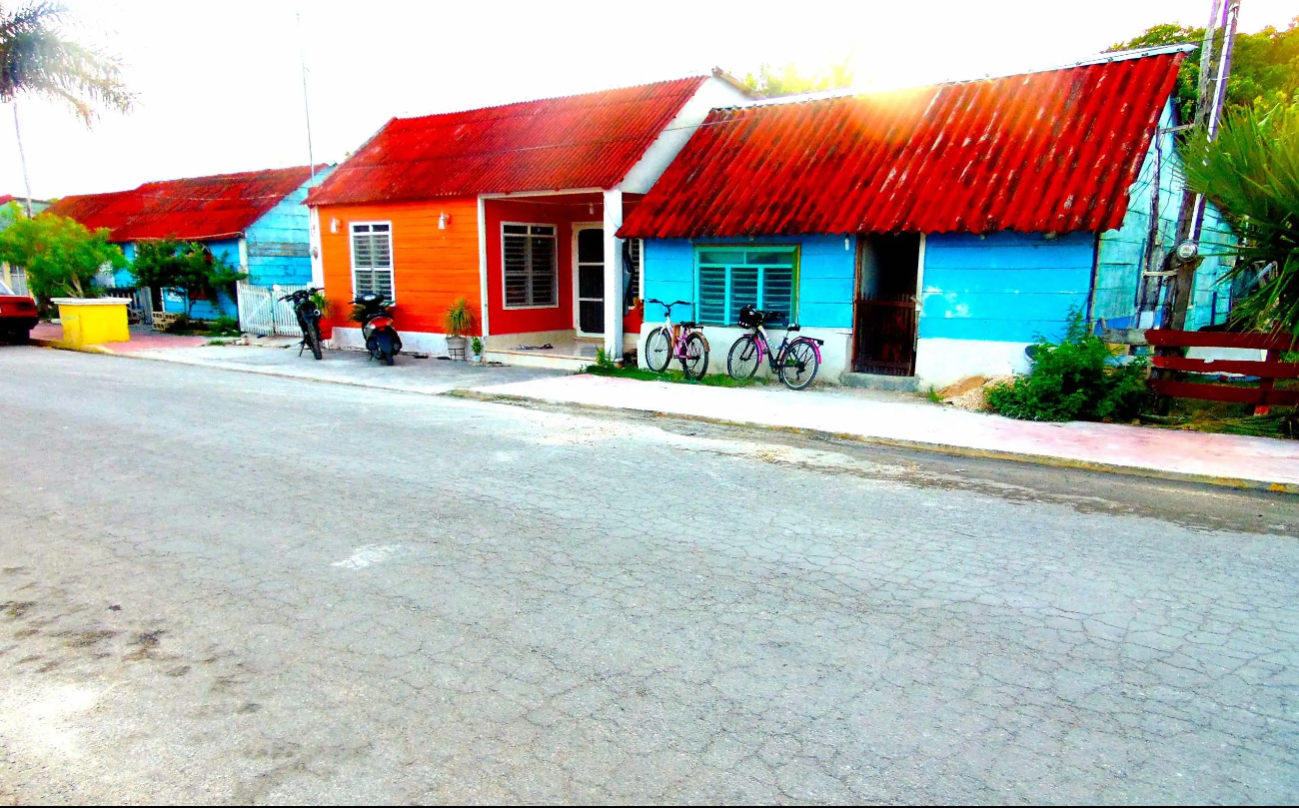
x=675, y=376
x=1227, y=418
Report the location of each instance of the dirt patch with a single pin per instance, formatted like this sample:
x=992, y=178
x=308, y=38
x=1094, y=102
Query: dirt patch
x=145, y=644
x=17, y=608
x=86, y=639
x=971, y=394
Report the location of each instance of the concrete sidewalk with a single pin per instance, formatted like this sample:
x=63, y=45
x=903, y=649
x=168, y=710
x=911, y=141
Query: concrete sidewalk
x=1229, y=460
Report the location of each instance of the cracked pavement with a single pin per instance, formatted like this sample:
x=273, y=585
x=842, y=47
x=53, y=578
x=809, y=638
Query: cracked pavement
x=225, y=588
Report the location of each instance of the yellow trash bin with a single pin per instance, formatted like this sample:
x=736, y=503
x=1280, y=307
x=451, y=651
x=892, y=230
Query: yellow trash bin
x=93, y=320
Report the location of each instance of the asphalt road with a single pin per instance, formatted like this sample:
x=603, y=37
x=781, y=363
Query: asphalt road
x=225, y=588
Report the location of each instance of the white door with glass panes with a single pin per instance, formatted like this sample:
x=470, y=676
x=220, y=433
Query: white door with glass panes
x=588, y=254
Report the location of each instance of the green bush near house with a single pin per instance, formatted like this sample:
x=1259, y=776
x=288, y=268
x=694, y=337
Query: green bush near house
x=1076, y=379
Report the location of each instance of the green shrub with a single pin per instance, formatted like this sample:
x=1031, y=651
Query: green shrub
x=1076, y=379
x=225, y=327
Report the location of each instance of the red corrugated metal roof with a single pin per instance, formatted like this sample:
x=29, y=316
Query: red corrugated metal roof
x=579, y=141
x=1038, y=152
x=197, y=208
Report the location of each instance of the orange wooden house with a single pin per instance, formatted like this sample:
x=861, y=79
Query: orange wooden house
x=514, y=208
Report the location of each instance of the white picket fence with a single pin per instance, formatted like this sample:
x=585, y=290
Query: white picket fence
x=262, y=312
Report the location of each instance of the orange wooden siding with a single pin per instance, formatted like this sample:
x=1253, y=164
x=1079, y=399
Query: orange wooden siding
x=431, y=267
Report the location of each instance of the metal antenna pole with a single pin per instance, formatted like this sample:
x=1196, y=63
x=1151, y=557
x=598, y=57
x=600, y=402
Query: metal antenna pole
x=22, y=158
x=306, y=106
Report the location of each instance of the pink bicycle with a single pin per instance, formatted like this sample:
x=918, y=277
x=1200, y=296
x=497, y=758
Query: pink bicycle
x=683, y=341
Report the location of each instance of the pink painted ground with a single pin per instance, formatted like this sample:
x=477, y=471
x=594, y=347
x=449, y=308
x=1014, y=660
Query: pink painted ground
x=139, y=341
x=1178, y=453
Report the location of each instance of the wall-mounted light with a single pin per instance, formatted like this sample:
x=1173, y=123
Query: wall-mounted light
x=443, y=221
x=590, y=209
x=333, y=225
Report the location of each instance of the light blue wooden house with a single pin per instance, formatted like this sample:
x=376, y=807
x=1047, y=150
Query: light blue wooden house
x=255, y=221
x=934, y=234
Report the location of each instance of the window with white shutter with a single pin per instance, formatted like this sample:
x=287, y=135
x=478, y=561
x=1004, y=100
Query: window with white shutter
x=729, y=278
x=372, y=259
x=530, y=265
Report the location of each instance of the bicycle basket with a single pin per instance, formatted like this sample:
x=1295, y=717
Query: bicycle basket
x=750, y=317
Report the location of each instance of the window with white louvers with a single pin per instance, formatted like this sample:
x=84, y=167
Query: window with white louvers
x=372, y=259
x=530, y=266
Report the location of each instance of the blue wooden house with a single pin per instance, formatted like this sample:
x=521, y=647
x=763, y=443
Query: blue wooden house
x=933, y=234
x=255, y=221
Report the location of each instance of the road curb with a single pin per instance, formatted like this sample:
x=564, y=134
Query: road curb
x=60, y=345
x=920, y=446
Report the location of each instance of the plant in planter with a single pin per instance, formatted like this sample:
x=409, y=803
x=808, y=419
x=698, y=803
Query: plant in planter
x=476, y=345
x=458, y=320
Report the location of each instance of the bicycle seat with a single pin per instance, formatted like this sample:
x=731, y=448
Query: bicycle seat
x=793, y=327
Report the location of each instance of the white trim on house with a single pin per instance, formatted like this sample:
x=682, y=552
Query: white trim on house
x=714, y=92
x=483, y=307
x=392, y=255
x=525, y=194
x=578, y=227
x=505, y=303
x=613, y=342
x=316, y=250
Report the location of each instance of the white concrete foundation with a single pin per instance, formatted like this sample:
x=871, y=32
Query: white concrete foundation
x=350, y=339
x=836, y=353
x=940, y=362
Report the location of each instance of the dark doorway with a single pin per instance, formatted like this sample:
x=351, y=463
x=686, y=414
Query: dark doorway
x=590, y=281
x=885, y=311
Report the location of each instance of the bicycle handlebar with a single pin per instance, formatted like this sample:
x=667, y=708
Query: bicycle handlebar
x=670, y=305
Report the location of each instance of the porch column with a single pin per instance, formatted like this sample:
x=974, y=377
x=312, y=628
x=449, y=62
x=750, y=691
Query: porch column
x=613, y=283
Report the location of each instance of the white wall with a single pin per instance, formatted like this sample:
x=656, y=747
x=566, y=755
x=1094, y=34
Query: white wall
x=714, y=92
x=941, y=361
x=835, y=353
x=350, y=339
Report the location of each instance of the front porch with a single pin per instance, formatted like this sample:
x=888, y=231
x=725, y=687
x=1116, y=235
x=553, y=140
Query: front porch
x=560, y=286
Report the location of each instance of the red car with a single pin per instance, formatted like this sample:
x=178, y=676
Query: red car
x=17, y=315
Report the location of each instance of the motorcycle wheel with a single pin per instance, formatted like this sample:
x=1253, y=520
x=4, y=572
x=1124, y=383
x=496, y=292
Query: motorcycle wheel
x=384, y=345
x=313, y=339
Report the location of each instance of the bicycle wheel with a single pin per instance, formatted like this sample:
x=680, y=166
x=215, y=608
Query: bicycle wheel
x=799, y=364
x=313, y=340
x=742, y=361
x=695, y=363
x=658, y=350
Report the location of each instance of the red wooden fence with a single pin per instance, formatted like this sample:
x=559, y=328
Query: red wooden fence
x=1268, y=370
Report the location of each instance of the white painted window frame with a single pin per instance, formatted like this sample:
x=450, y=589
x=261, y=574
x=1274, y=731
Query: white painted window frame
x=554, y=265
x=392, y=254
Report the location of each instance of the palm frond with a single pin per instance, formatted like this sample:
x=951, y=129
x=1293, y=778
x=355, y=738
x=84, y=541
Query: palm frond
x=35, y=58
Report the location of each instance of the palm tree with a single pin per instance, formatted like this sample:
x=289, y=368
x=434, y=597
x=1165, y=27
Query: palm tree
x=36, y=59
x=1251, y=171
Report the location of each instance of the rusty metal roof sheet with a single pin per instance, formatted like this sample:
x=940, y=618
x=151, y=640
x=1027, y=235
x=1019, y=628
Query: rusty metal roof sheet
x=197, y=208
x=579, y=141
x=1052, y=151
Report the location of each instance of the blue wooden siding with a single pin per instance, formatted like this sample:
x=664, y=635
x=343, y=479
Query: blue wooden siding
x=228, y=251
x=826, y=275
x=1123, y=250
x=279, y=243
x=1006, y=287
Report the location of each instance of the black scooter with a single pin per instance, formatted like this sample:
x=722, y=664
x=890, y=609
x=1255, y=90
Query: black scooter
x=381, y=339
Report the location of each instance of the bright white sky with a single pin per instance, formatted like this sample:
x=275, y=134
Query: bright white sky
x=220, y=89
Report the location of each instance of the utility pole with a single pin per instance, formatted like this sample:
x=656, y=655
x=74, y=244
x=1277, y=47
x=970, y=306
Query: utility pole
x=22, y=158
x=1215, y=71
x=307, y=109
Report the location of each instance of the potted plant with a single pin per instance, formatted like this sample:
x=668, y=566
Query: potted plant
x=477, y=346
x=458, y=320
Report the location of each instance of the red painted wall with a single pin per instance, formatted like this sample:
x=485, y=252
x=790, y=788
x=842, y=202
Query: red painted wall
x=517, y=321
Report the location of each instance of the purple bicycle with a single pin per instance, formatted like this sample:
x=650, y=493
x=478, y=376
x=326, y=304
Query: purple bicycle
x=796, y=361
x=683, y=341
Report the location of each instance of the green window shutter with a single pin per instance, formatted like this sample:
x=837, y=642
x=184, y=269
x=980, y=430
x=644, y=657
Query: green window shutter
x=712, y=295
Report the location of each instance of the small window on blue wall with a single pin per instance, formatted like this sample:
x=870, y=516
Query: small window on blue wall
x=729, y=278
